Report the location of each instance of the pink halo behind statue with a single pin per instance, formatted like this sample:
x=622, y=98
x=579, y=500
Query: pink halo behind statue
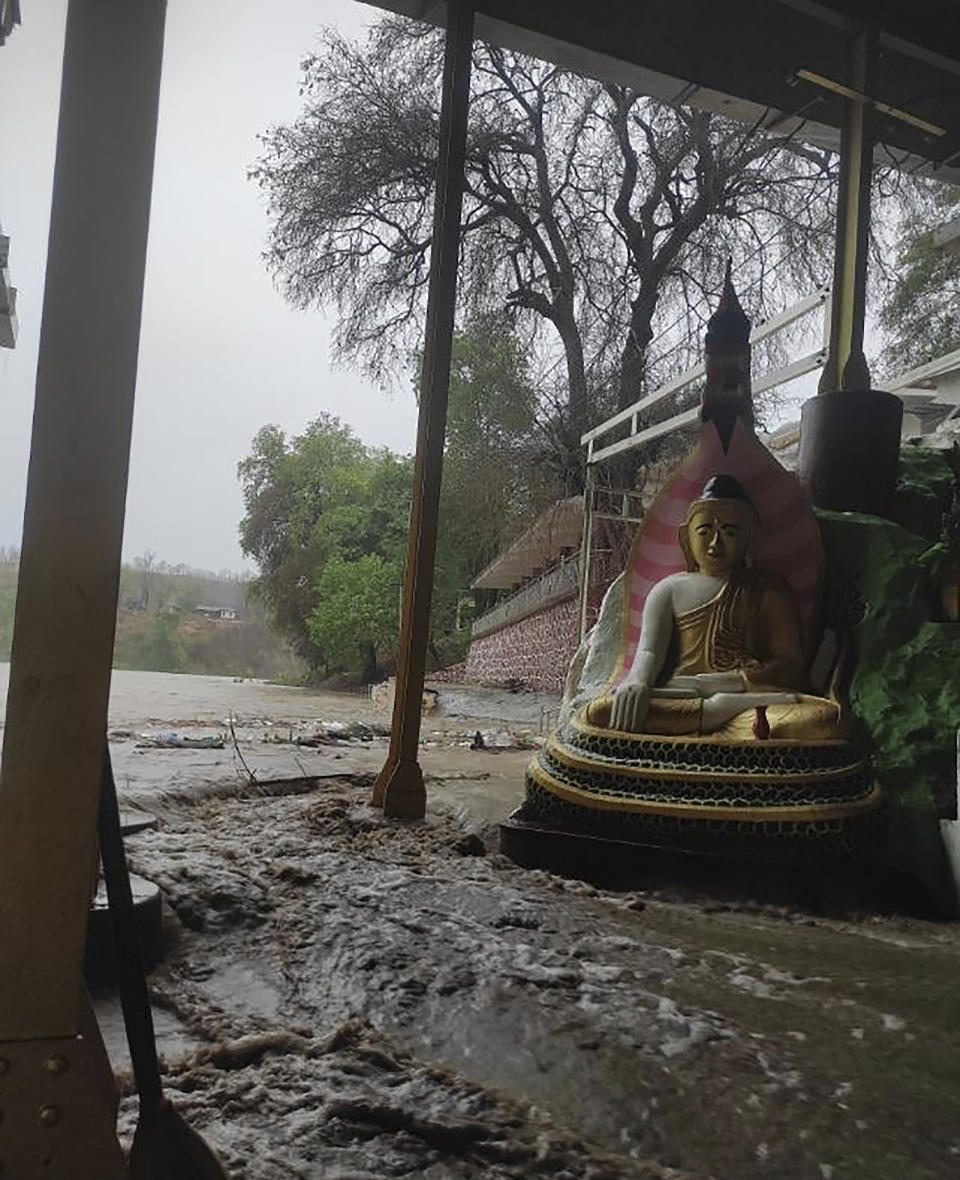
x=787, y=542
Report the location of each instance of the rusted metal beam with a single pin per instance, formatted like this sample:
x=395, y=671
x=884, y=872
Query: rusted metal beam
x=399, y=787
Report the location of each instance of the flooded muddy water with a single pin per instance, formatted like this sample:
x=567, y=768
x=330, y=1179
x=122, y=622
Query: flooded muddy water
x=352, y=997
x=627, y=1034
x=262, y=724
x=173, y=700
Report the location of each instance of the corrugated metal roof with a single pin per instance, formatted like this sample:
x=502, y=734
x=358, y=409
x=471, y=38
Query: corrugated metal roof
x=741, y=58
x=537, y=547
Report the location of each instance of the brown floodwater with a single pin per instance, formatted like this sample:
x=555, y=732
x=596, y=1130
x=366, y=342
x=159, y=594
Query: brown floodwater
x=173, y=700
x=347, y=996
x=139, y=698
x=261, y=725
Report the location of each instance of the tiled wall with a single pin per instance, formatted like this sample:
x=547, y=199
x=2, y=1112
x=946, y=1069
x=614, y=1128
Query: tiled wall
x=453, y=674
x=535, y=650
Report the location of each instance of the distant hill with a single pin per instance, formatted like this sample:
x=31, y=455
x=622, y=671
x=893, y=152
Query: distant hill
x=152, y=585
x=159, y=628
x=8, y=597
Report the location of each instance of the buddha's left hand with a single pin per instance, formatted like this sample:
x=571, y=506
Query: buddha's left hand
x=705, y=684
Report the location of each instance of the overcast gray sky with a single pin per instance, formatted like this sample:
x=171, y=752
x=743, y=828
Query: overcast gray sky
x=221, y=353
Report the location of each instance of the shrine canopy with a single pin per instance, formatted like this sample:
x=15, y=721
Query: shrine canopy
x=779, y=64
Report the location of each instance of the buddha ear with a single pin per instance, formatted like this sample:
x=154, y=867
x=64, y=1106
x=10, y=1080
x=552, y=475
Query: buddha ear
x=688, y=557
x=751, y=542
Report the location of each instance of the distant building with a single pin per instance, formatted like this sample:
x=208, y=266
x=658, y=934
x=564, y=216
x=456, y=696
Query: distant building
x=224, y=613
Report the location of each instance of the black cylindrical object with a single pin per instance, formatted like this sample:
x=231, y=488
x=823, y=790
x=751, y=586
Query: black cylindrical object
x=849, y=449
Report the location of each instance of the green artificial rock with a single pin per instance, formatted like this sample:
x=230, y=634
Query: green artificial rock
x=924, y=491
x=926, y=472
x=904, y=693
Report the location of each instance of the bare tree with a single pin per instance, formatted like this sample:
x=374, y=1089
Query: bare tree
x=600, y=217
x=146, y=564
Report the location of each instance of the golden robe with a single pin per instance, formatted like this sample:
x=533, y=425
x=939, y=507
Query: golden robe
x=750, y=626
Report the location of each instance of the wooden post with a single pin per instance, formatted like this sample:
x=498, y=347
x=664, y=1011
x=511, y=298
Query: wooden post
x=73, y=524
x=399, y=787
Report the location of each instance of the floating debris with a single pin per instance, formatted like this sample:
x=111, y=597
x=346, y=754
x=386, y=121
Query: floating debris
x=495, y=740
x=328, y=733
x=382, y=695
x=177, y=741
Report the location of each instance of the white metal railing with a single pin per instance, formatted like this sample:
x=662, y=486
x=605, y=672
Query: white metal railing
x=637, y=436
x=925, y=372
x=560, y=580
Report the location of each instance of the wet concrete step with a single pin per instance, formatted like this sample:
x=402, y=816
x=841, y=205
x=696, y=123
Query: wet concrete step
x=100, y=957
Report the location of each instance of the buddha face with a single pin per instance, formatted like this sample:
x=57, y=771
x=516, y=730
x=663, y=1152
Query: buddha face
x=718, y=534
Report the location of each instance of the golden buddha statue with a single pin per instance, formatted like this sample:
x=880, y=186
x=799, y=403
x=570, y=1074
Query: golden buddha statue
x=707, y=734
x=718, y=641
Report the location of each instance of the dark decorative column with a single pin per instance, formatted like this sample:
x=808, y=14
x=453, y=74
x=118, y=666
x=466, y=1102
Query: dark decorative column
x=850, y=433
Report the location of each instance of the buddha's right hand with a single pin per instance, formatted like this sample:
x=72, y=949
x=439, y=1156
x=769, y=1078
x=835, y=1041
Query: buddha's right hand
x=630, y=705
x=705, y=684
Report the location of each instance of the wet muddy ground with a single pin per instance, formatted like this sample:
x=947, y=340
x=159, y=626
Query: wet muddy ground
x=419, y=1006
x=348, y=997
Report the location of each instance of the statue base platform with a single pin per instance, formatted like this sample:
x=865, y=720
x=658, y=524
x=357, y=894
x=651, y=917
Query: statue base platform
x=792, y=822
x=100, y=959
x=840, y=887
x=782, y=799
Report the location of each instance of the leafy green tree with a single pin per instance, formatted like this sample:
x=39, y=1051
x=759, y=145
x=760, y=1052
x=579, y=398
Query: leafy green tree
x=187, y=592
x=163, y=648
x=920, y=316
x=495, y=477
x=357, y=612
x=326, y=518
x=287, y=491
x=156, y=645
x=320, y=501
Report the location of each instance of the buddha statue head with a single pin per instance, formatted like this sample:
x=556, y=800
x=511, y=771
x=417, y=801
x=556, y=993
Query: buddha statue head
x=716, y=534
